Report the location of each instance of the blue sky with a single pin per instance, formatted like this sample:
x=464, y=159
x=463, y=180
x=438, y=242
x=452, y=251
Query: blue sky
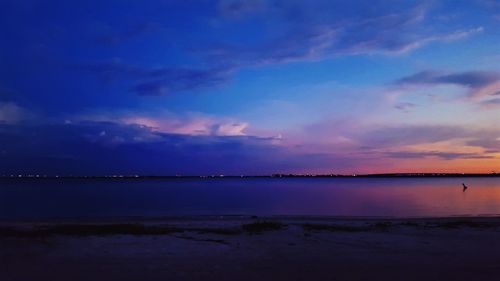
x=201, y=87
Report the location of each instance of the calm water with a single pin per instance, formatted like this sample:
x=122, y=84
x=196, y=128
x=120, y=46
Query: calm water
x=335, y=197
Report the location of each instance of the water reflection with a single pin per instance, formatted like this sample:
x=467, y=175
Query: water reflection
x=334, y=197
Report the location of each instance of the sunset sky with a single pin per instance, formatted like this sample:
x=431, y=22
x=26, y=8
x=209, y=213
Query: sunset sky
x=249, y=87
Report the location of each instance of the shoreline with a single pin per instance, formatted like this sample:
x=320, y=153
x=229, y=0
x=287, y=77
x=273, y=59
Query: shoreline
x=252, y=248
x=236, y=217
x=492, y=221
x=234, y=225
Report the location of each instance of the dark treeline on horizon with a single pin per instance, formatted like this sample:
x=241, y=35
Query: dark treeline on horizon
x=384, y=175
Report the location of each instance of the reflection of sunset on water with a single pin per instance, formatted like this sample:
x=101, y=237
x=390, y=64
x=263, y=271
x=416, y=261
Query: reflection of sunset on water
x=397, y=197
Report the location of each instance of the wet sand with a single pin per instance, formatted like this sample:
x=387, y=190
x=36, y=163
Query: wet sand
x=250, y=248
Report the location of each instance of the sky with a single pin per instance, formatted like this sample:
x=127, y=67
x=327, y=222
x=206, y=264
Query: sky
x=249, y=87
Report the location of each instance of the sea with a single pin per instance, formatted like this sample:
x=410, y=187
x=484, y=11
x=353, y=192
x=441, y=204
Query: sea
x=336, y=197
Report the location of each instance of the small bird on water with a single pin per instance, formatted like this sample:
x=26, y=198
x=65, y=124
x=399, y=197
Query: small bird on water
x=465, y=187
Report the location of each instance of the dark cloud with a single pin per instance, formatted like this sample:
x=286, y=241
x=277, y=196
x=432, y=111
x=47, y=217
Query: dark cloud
x=387, y=140
x=405, y=106
x=390, y=142
x=158, y=81
x=176, y=80
x=493, y=103
x=107, y=148
x=476, y=81
x=384, y=141
x=110, y=148
x=490, y=143
x=472, y=79
x=437, y=154
x=388, y=137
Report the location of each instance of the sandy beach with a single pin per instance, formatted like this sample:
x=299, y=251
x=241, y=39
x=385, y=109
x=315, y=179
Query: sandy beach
x=252, y=248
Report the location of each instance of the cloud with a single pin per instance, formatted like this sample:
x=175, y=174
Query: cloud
x=405, y=106
x=294, y=31
x=134, y=149
x=393, y=136
x=328, y=29
x=157, y=81
x=448, y=37
x=390, y=138
x=479, y=83
x=361, y=140
x=492, y=103
x=11, y=113
x=309, y=44
x=104, y=147
x=196, y=54
x=394, y=142
x=325, y=30
x=193, y=124
x=176, y=80
x=436, y=154
x=491, y=145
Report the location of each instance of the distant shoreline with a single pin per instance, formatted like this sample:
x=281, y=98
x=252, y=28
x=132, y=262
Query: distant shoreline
x=387, y=175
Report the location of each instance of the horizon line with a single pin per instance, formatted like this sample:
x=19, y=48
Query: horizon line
x=273, y=175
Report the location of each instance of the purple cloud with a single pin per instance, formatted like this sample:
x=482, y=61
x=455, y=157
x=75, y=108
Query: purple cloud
x=479, y=83
x=11, y=113
x=405, y=106
x=437, y=154
x=492, y=103
x=388, y=141
x=167, y=122
x=363, y=141
x=388, y=137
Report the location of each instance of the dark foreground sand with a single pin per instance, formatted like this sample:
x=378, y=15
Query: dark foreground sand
x=244, y=248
